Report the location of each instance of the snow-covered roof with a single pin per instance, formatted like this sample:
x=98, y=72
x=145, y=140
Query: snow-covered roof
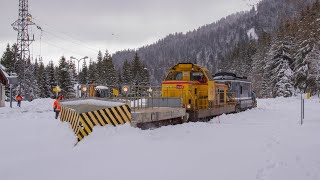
x=92, y=102
x=102, y=87
x=4, y=77
x=87, y=105
x=2, y=67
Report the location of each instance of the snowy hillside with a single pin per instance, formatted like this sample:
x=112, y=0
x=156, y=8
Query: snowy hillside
x=263, y=143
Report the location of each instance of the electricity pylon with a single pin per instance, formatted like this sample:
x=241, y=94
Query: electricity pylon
x=23, y=61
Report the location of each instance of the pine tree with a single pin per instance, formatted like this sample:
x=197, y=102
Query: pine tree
x=307, y=50
x=8, y=59
x=44, y=88
x=145, y=76
x=120, y=81
x=35, y=73
x=110, y=75
x=50, y=73
x=65, y=79
x=83, y=75
x=282, y=74
x=259, y=63
x=126, y=73
x=100, y=70
x=308, y=72
x=92, y=71
x=136, y=68
x=73, y=74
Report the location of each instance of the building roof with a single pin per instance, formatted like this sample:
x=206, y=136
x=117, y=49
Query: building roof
x=2, y=67
x=4, y=77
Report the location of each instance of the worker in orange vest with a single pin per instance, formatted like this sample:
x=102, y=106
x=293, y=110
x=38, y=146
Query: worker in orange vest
x=19, y=99
x=56, y=105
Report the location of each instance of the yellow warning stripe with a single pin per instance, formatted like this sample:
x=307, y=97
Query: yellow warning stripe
x=86, y=118
x=74, y=121
x=99, y=118
x=96, y=123
x=76, y=124
x=83, y=132
x=117, y=115
x=105, y=117
x=84, y=125
x=68, y=115
x=123, y=115
x=79, y=137
x=111, y=116
x=61, y=114
x=65, y=114
x=61, y=119
x=127, y=111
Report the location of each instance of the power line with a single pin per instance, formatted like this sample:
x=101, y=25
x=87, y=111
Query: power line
x=51, y=44
x=70, y=41
x=71, y=37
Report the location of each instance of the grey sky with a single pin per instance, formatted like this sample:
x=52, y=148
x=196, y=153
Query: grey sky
x=80, y=28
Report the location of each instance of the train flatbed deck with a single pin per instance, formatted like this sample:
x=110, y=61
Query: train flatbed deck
x=147, y=118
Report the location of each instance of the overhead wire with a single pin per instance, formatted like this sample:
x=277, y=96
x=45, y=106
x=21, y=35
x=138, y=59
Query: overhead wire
x=70, y=41
x=48, y=42
x=88, y=44
x=51, y=44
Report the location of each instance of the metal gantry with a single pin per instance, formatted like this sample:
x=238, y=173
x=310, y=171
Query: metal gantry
x=23, y=61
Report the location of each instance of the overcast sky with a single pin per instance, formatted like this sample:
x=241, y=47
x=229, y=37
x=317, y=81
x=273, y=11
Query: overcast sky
x=81, y=27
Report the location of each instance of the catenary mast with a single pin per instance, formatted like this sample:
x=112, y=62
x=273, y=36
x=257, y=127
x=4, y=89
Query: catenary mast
x=23, y=61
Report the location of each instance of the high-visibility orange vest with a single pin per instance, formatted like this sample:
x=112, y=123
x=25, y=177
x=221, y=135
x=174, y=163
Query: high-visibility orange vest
x=56, y=105
x=19, y=98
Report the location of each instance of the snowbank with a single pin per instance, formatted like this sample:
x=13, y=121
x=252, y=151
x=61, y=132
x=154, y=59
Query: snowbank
x=263, y=143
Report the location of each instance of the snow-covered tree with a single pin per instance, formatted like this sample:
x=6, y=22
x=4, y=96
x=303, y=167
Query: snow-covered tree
x=51, y=78
x=64, y=78
x=281, y=72
x=43, y=83
x=100, y=70
x=83, y=75
x=126, y=72
x=91, y=71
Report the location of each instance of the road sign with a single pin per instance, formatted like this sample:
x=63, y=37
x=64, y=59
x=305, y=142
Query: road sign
x=56, y=89
x=115, y=92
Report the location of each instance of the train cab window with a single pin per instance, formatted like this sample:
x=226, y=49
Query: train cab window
x=169, y=77
x=174, y=76
x=198, y=76
x=178, y=76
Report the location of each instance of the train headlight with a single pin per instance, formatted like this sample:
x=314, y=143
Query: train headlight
x=189, y=106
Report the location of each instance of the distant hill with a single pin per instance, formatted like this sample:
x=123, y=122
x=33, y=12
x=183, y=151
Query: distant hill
x=229, y=44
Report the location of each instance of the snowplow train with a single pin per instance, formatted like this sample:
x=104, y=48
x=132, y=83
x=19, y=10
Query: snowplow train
x=188, y=93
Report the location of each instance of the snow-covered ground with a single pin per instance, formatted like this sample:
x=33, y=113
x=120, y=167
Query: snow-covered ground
x=264, y=143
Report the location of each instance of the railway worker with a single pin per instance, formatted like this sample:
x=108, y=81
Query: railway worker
x=56, y=105
x=19, y=99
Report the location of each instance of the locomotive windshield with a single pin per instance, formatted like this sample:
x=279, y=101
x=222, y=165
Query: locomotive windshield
x=196, y=76
x=174, y=76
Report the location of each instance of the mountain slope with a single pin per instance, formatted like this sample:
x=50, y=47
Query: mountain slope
x=212, y=45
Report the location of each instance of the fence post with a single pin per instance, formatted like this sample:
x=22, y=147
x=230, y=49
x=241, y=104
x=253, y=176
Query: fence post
x=301, y=118
x=152, y=98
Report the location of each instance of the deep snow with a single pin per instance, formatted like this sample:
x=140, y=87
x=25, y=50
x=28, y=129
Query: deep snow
x=263, y=143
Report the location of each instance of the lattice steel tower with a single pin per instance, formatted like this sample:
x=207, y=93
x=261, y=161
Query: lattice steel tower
x=23, y=43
